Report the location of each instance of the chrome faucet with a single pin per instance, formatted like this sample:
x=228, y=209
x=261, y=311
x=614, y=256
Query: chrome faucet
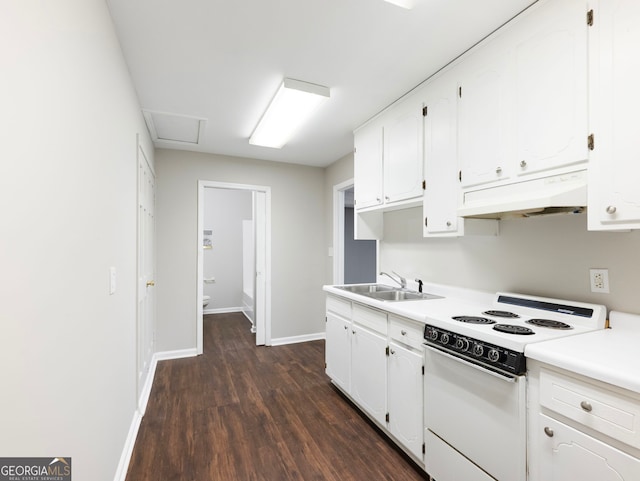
x=401, y=280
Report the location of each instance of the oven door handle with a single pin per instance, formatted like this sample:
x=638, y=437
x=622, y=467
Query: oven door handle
x=504, y=377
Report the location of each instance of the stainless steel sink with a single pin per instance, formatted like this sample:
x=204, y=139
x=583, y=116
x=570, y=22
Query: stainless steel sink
x=387, y=293
x=400, y=295
x=366, y=289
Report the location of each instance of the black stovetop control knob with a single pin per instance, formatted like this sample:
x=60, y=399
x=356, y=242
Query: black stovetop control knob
x=478, y=349
x=462, y=344
x=494, y=355
x=444, y=338
x=432, y=333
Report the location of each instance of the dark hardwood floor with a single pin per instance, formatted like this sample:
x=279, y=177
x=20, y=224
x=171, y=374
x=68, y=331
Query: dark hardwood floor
x=241, y=412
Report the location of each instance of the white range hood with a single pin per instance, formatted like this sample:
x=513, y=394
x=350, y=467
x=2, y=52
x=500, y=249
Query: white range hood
x=563, y=193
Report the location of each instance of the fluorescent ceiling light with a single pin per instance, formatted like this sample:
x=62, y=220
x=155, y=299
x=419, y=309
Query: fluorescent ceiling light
x=292, y=105
x=408, y=4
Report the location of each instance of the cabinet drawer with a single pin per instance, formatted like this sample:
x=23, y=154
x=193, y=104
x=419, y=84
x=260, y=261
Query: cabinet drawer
x=406, y=331
x=594, y=406
x=371, y=318
x=339, y=306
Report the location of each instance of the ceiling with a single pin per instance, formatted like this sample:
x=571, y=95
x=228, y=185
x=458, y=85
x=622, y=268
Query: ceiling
x=223, y=60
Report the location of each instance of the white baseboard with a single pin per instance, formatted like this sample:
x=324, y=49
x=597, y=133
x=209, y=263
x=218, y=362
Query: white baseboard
x=127, y=450
x=222, y=310
x=177, y=354
x=295, y=339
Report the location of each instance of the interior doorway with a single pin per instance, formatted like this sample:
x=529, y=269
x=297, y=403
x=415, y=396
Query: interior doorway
x=253, y=239
x=355, y=261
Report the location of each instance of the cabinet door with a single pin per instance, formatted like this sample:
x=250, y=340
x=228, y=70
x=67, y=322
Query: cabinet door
x=614, y=170
x=369, y=371
x=367, y=164
x=483, y=115
x=568, y=454
x=403, y=152
x=338, y=350
x=550, y=48
x=405, y=397
x=440, y=201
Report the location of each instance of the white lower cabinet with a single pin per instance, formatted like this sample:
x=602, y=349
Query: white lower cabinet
x=568, y=454
x=405, y=396
x=376, y=359
x=338, y=350
x=581, y=429
x=369, y=371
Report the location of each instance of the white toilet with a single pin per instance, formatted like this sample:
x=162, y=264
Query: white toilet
x=205, y=301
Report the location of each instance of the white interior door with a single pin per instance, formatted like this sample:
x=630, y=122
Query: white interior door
x=145, y=269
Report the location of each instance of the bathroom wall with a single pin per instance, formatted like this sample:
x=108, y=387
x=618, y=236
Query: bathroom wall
x=224, y=212
x=68, y=177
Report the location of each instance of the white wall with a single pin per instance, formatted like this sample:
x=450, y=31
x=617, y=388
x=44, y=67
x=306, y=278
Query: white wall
x=297, y=241
x=546, y=256
x=224, y=211
x=69, y=119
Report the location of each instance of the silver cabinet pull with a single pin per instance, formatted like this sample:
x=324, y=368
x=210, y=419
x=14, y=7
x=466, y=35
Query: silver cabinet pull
x=586, y=406
x=345, y=328
x=611, y=209
x=392, y=351
x=499, y=170
x=548, y=431
x=448, y=223
x=523, y=163
x=403, y=332
x=353, y=332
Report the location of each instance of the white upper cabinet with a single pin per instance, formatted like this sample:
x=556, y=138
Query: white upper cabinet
x=388, y=158
x=442, y=188
x=484, y=97
x=614, y=169
x=550, y=51
x=402, y=158
x=367, y=164
x=523, y=97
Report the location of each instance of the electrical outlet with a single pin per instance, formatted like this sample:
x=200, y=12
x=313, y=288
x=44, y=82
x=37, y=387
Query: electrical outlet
x=599, y=280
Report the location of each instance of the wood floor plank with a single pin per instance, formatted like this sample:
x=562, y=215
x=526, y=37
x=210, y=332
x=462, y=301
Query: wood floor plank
x=241, y=412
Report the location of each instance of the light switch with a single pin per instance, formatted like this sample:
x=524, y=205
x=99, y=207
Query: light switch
x=112, y=280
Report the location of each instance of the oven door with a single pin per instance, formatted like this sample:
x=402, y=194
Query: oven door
x=475, y=421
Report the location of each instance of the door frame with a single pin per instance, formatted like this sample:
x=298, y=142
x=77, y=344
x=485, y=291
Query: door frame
x=263, y=273
x=338, y=230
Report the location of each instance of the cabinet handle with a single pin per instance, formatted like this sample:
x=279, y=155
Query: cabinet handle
x=345, y=328
x=548, y=431
x=448, y=223
x=403, y=332
x=498, y=170
x=586, y=406
x=523, y=163
x=392, y=351
x=378, y=199
x=611, y=209
x=353, y=332
x=386, y=197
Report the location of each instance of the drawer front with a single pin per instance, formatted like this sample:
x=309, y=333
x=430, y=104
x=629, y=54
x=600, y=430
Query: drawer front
x=371, y=318
x=597, y=407
x=406, y=331
x=339, y=306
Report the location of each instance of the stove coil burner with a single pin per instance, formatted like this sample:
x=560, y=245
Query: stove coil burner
x=473, y=320
x=549, y=323
x=512, y=329
x=505, y=314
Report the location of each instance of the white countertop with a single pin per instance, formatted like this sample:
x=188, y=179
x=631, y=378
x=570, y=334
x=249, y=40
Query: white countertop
x=610, y=355
x=453, y=301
